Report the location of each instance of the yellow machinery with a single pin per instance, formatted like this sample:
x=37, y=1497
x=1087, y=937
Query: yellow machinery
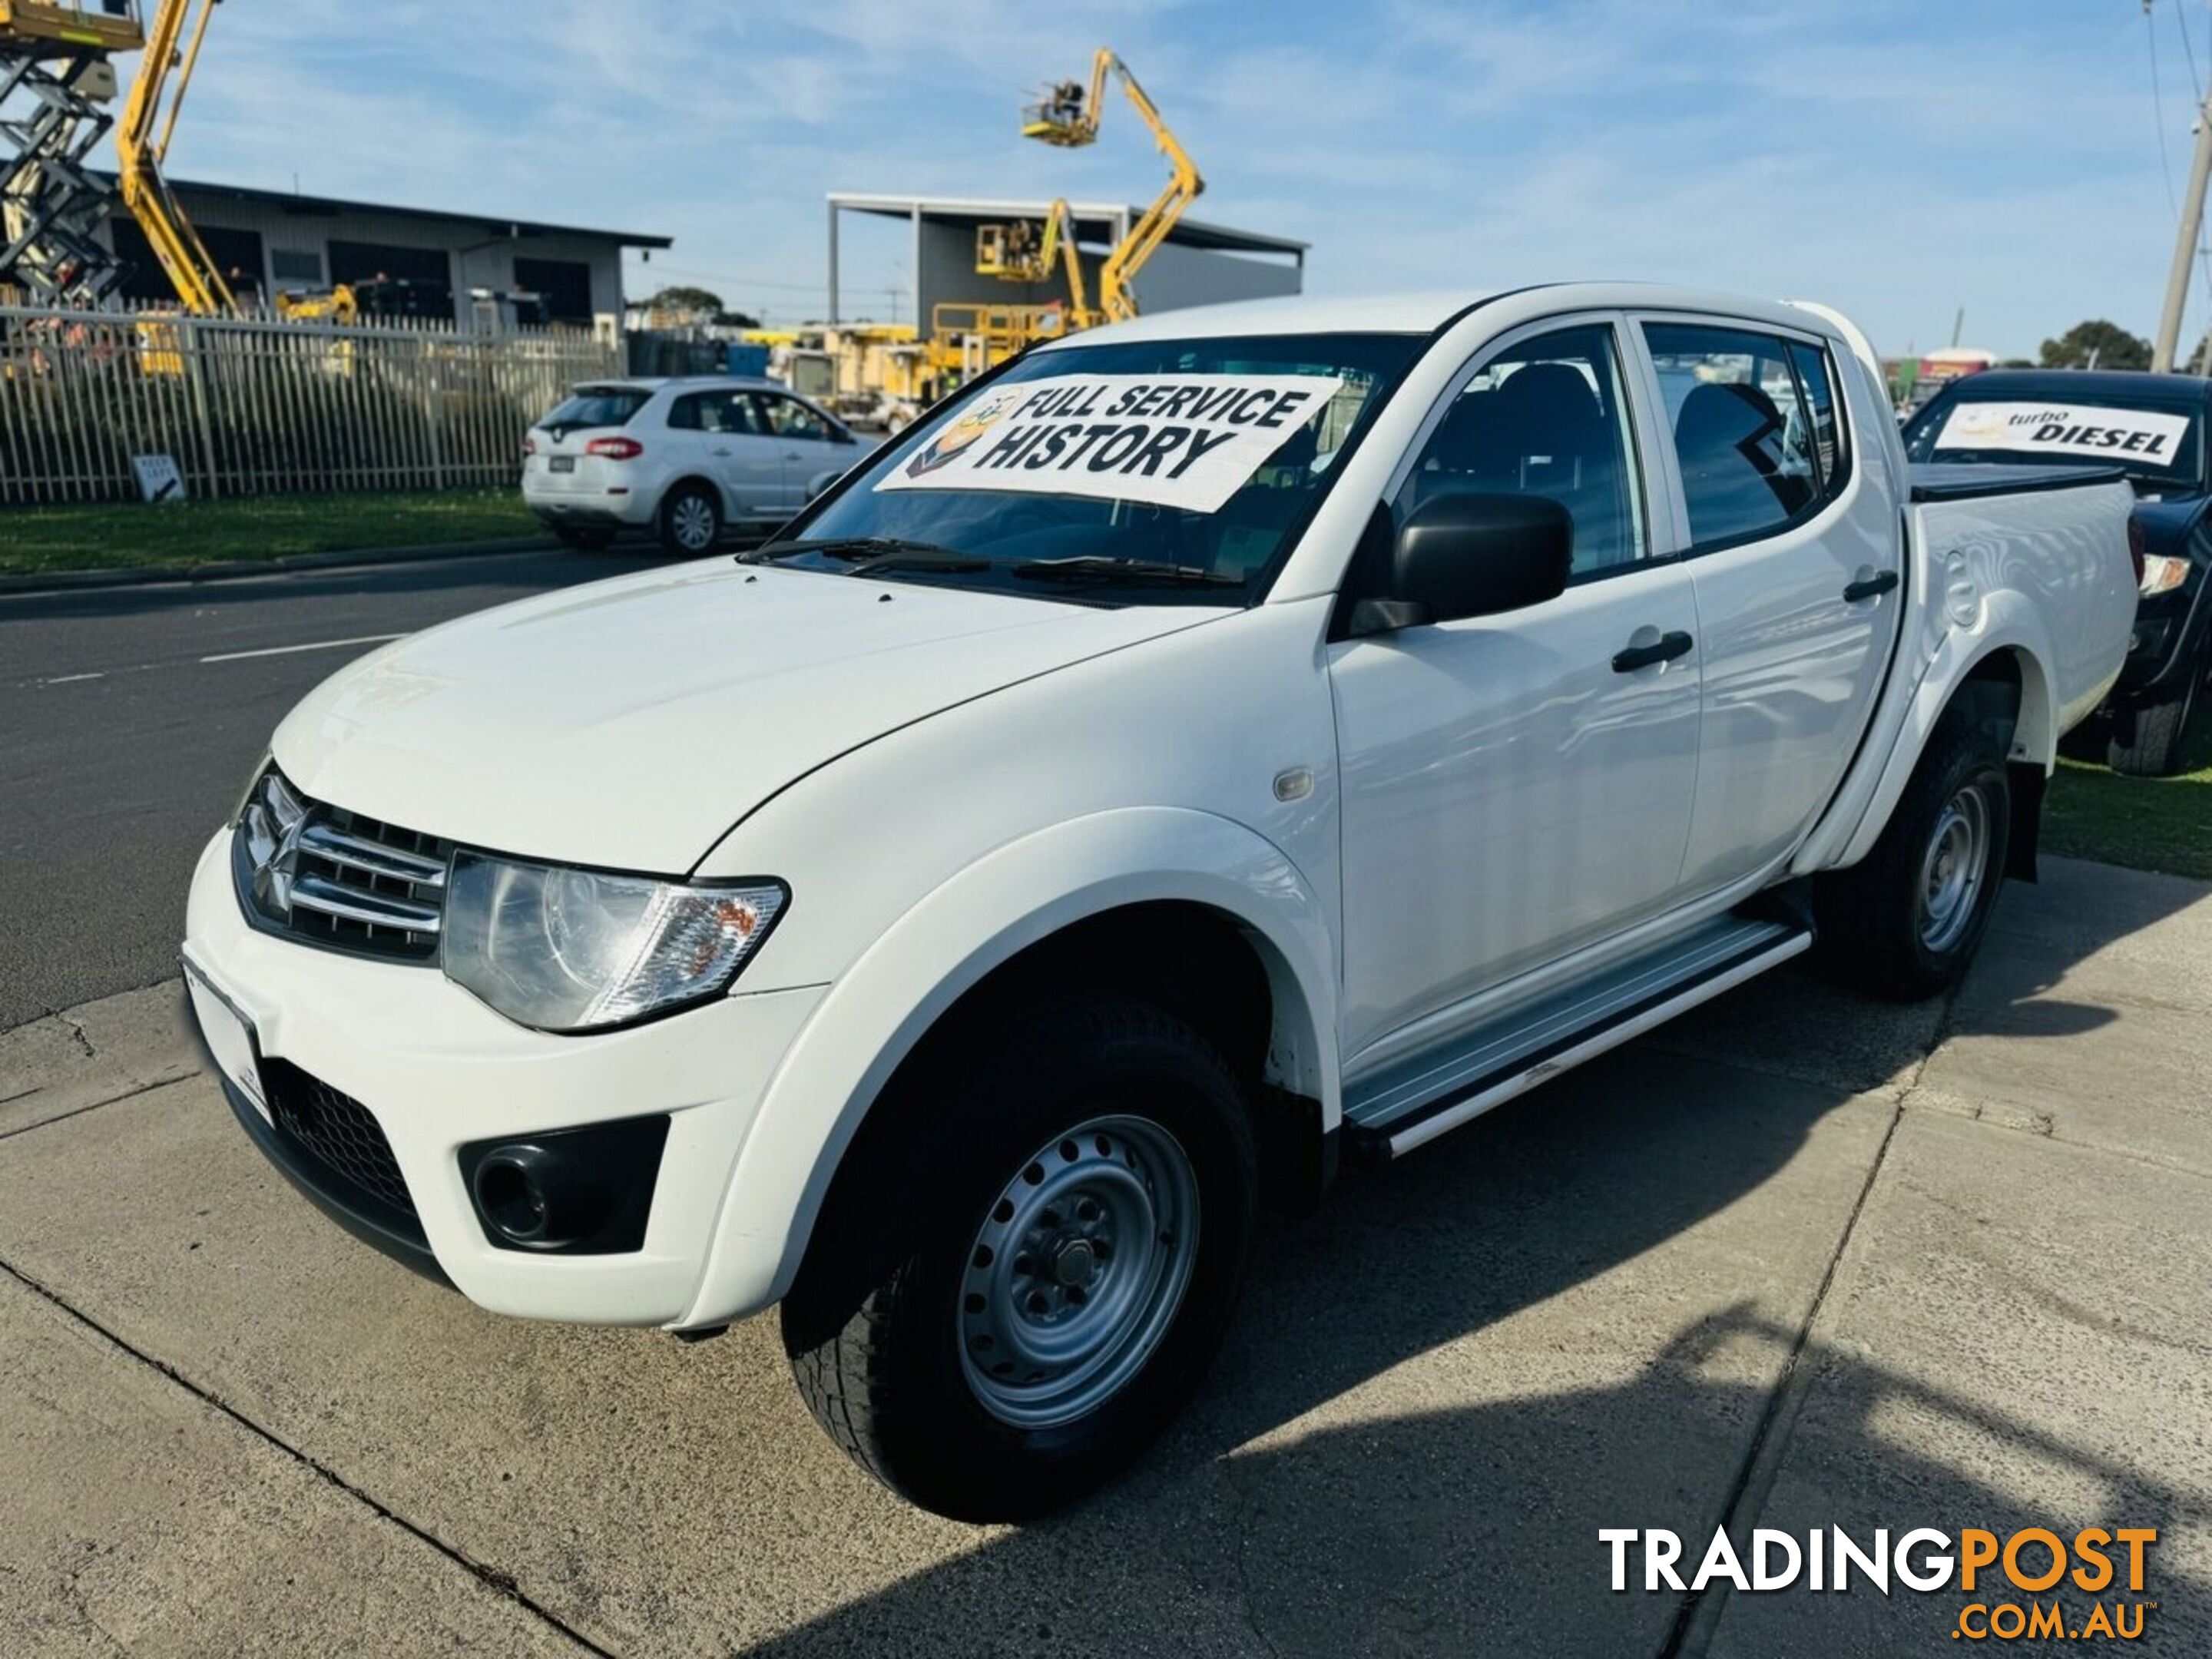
x=1067, y=115
x=142, y=144
x=965, y=339
x=1024, y=252
x=330, y=305
x=56, y=81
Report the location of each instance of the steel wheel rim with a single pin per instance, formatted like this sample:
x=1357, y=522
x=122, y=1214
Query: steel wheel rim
x=694, y=518
x=1078, y=1270
x=1954, y=869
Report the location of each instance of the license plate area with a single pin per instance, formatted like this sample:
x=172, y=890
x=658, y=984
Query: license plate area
x=230, y=1038
x=561, y=464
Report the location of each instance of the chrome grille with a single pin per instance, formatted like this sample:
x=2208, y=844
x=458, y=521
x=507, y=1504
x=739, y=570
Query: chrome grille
x=337, y=877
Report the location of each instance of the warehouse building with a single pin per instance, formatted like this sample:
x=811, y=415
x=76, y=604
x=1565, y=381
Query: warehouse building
x=269, y=241
x=1200, y=263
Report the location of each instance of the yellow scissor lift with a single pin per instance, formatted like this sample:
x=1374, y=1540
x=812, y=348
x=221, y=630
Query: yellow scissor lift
x=56, y=81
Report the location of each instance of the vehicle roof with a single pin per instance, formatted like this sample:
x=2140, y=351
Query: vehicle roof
x=663, y=382
x=1427, y=312
x=2084, y=383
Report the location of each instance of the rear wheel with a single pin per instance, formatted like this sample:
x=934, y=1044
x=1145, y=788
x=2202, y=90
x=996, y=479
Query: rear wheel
x=1012, y=1292
x=690, y=520
x=1906, y=922
x=584, y=540
x=2154, y=749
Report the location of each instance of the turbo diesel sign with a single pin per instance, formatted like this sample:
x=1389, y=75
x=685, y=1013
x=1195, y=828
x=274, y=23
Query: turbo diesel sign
x=2074, y=431
x=1186, y=441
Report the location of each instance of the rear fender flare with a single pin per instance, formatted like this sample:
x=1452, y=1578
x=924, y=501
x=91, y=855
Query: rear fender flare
x=2009, y=624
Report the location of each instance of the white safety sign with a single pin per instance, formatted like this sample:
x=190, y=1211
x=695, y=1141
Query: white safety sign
x=1187, y=440
x=2067, y=430
x=159, y=480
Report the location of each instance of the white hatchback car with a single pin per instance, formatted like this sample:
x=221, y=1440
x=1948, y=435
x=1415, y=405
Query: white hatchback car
x=688, y=457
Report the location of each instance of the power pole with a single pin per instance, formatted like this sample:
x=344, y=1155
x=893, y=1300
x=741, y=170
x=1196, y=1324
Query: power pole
x=2185, y=246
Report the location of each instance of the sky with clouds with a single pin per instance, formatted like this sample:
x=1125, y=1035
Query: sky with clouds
x=1897, y=158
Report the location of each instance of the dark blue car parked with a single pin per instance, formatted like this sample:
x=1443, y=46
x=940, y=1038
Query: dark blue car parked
x=2153, y=425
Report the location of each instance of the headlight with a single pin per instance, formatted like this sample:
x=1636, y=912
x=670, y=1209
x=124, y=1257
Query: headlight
x=577, y=950
x=2163, y=574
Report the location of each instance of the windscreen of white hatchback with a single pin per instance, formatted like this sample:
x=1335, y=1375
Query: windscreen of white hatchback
x=1147, y=471
x=2156, y=440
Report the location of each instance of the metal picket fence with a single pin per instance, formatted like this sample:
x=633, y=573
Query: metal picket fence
x=254, y=407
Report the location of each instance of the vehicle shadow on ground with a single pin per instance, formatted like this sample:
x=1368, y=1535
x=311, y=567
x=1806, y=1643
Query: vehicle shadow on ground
x=1327, y=1523
x=1474, y=1530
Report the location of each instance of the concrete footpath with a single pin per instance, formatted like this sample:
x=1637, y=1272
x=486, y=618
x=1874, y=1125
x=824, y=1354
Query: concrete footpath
x=1800, y=1261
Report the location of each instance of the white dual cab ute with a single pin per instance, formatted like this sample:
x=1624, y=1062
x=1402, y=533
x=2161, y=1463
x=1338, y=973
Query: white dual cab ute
x=1195, y=747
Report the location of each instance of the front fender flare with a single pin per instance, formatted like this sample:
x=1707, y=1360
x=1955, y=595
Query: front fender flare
x=871, y=1019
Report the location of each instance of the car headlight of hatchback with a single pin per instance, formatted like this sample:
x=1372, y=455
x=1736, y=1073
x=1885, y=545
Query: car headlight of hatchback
x=565, y=949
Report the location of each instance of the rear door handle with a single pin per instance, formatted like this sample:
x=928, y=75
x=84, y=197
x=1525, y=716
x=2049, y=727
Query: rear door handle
x=1665, y=648
x=1870, y=587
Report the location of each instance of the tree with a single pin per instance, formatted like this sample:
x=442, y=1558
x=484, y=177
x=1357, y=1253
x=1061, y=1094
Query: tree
x=680, y=297
x=2104, y=343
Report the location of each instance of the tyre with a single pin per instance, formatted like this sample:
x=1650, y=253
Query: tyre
x=583, y=540
x=690, y=520
x=2155, y=748
x=1020, y=1280
x=1906, y=922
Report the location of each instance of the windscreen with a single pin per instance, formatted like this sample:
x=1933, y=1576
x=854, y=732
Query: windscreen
x=595, y=406
x=2157, y=443
x=1188, y=466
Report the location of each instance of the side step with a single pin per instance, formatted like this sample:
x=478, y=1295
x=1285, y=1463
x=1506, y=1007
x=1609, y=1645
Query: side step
x=1416, y=1100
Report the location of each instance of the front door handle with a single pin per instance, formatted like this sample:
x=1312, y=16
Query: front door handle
x=1870, y=587
x=1665, y=648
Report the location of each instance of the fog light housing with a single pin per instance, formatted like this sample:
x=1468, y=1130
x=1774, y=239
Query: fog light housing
x=568, y=1191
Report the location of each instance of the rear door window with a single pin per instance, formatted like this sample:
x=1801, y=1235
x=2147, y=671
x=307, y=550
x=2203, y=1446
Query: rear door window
x=596, y=406
x=1816, y=380
x=1745, y=440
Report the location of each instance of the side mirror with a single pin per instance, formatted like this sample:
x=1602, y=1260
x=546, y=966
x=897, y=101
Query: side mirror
x=1467, y=555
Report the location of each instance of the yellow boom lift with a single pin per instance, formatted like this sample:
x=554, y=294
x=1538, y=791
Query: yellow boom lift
x=965, y=339
x=141, y=145
x=1067, y=116
x=1024, y=253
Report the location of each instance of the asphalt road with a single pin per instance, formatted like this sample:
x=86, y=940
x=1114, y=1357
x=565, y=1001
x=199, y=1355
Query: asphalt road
x=130, y=719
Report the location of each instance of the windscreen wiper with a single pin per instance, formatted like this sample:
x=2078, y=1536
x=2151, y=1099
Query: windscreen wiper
x=850, y=547
x=919, y=558
x=1096, y=570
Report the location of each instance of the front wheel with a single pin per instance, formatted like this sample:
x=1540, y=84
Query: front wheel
x=1906, y=922
x=1016, y=1286
x=690, y=520
x=2154, y=748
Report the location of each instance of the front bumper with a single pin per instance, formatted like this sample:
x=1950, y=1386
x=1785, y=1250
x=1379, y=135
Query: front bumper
x=2163, y=648
x=439, y=1071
